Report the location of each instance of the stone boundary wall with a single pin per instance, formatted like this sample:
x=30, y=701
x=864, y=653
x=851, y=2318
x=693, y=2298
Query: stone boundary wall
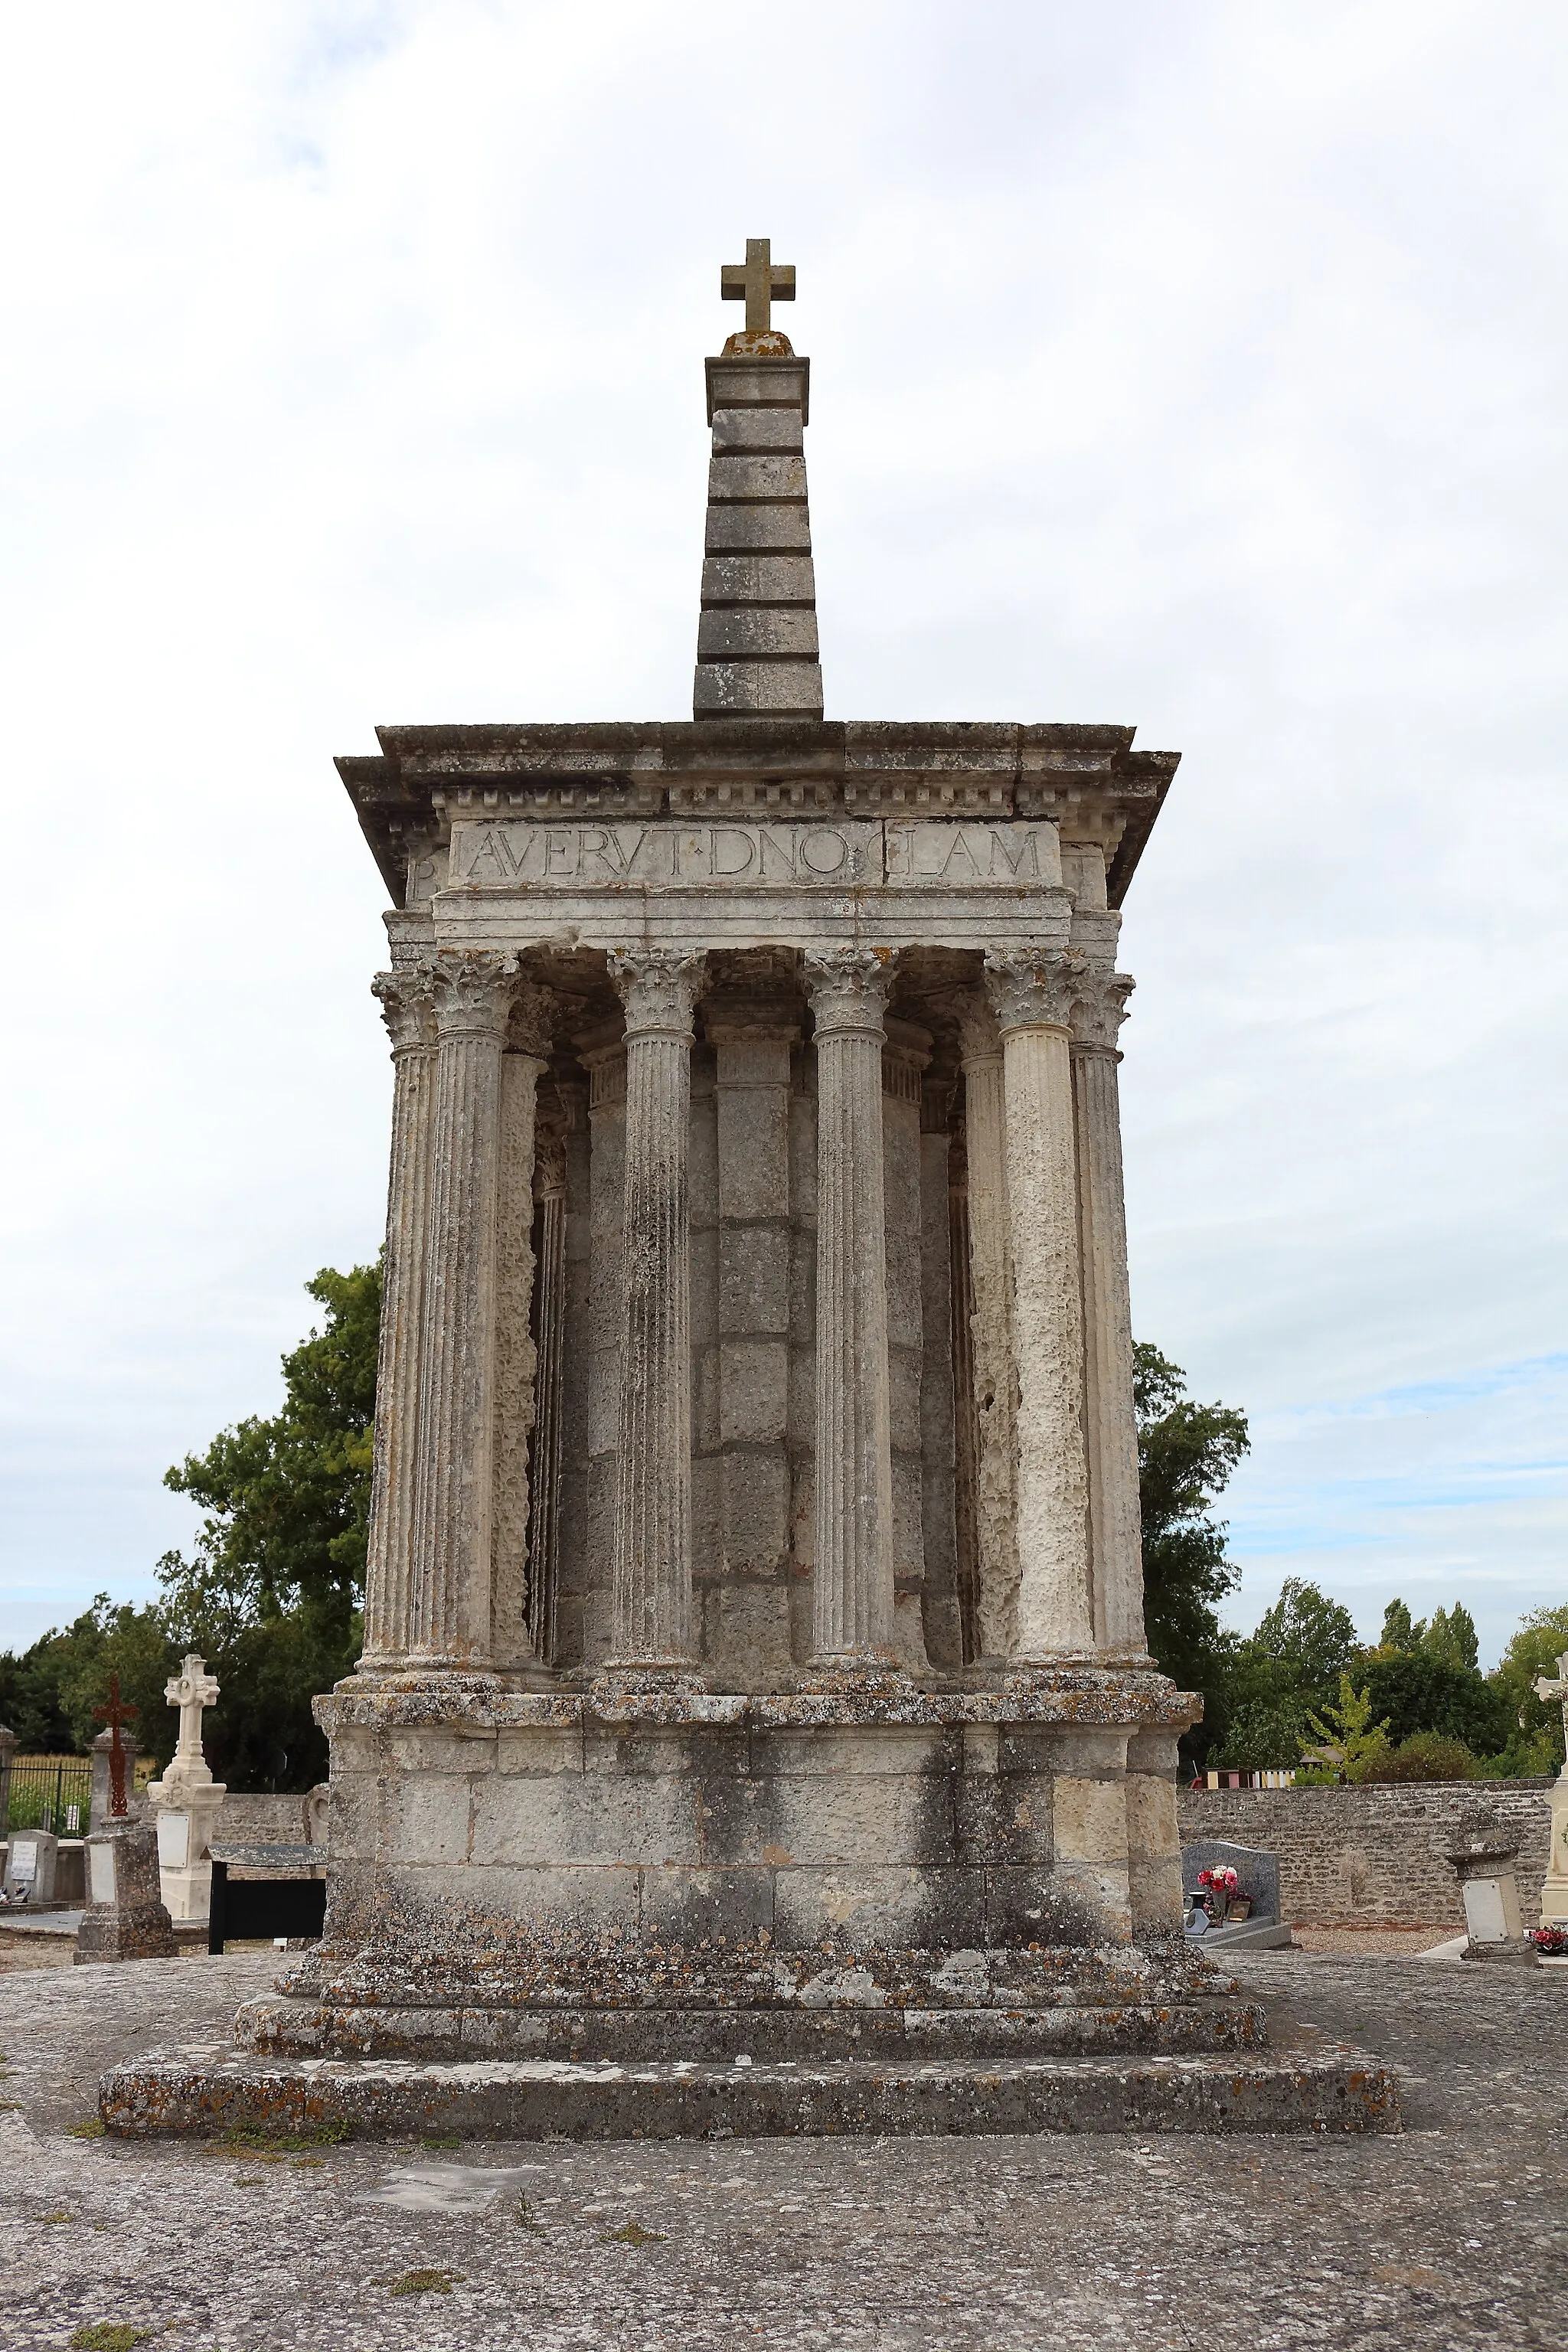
x=1374, y=1857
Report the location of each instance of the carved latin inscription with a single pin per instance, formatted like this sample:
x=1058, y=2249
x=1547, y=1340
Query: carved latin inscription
x=840, y=855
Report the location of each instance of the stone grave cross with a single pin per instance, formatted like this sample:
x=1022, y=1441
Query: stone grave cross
x=192, y=1690
x=759, y=282
x=1558, y=1690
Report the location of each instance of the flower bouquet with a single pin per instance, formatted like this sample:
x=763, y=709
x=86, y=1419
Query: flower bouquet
x=1550, y=1945
x=1220, y=1883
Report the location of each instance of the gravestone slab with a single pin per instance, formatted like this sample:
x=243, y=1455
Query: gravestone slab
x=30, y=1868
x=1257, y=1871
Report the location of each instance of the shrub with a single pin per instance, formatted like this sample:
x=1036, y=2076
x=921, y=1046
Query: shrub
x=1425, y=1756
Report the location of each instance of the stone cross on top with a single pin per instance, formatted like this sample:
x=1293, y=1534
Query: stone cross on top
x=759, y=282
x=191, y=1690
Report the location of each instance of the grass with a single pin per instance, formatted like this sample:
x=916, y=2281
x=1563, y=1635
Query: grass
x=271, y=2146
x=525, y=2217
x=632, y=2233
x=47, y=2218
x=110, y=2336
x=425, y=2282
x=448, y=2139
x=93, y=2128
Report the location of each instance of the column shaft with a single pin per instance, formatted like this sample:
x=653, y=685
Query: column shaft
x=854, y=1571
x=1111, y=1431
x=407, y=1008
x=993, y=1376
x=652, y=1565
x=450, y=1600
x=939, y=1417
x=1030, y=995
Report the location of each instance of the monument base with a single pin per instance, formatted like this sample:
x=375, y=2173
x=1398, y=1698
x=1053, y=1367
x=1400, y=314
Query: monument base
x=212, y=2091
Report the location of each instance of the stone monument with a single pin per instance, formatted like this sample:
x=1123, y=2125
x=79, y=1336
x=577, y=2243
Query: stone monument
x=754, y=1661
x=186, y=1802
x=125, y=1918
x=1554, y=1888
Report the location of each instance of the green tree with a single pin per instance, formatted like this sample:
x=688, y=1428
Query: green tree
x=1534, y=1742
x=1310, y=1636
x=1351, y=1744
x=1418, y=1692
x=271, y=1592
x=1399, y=1628
x=1187, y=1454
x=1451, y=1638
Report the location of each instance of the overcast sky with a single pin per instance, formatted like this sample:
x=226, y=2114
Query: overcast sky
x=1201, y=368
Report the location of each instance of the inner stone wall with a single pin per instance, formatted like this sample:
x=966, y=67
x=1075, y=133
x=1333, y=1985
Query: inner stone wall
x=1374, y=1857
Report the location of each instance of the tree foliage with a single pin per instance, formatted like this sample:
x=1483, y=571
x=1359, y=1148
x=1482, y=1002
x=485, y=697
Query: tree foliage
x=271, y=1589
x=1187, y=1454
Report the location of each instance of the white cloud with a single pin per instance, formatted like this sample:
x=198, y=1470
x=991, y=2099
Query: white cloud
x=1200, y=368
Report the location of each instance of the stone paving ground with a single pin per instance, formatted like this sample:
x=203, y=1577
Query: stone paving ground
x=1452, y=2235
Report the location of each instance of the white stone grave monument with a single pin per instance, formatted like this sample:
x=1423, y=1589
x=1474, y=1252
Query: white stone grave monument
x=186, y=1802
x=754, y=1659
x=1555, y=1887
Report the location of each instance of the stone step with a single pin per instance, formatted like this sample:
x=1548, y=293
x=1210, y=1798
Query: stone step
x=215, y=2089
x=273, y=2027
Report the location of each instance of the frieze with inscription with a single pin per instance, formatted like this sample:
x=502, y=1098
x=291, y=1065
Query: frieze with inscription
x=843, y=854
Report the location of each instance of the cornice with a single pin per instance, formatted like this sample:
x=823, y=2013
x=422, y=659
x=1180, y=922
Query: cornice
x=1086, y=780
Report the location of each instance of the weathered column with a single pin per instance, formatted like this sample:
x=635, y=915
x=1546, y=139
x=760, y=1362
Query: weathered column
x=550, y=1335
x=1031, y=992
x=407, y=1007
x=522, y=1066
x=995, y=1381
x=1110, y=1433
x=854, y=1572
x=652, y=1559
x=454, y=1522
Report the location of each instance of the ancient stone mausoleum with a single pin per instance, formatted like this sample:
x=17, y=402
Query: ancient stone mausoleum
x=754, y=1660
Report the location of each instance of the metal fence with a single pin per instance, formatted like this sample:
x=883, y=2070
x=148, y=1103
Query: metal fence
x=50, y=1792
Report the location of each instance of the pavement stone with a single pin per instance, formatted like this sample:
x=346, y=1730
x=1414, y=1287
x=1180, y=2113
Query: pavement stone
x=1452, y=2235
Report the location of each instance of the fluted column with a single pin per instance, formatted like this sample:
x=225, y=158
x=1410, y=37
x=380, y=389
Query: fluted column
x=522, y=1066
x=652, y=1559
x=450, y=1612
x=550, y=1326
x=993, y=1380
x=1031, y=993
x=407, y=1008
x=1110, y=1431
x=854, y=1572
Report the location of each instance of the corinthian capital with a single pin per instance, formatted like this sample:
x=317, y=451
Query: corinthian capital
x=1100, y=1010
x=1033, y=988
x=848, y=987
x=407, y=1008
x=658, y=987
x=473, y=993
